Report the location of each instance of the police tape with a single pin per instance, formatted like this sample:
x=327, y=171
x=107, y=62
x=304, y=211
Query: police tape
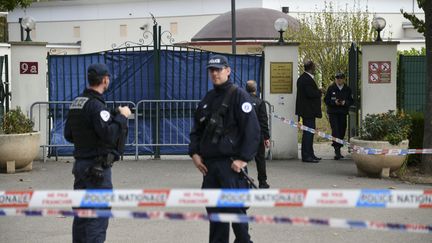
x=220, y=217
x=357, y=149
x=307, y=198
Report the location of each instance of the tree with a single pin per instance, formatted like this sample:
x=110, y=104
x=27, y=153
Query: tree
x=7, y=6
x=425, y=27
x=325, y=37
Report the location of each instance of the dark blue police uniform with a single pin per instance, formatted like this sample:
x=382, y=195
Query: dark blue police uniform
x=238, y=139
x=95, y=132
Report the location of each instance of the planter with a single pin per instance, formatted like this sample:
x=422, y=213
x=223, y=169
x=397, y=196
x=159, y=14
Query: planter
x=17, y=151
x=377, y=165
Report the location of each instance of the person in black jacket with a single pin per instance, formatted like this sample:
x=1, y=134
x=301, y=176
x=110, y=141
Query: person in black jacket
x=97, y=135
x=308, y=107
x=223, y=139
x=261, y=111
x=338, y=99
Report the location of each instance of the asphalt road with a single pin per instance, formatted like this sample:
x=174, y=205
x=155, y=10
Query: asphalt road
x=179, y=173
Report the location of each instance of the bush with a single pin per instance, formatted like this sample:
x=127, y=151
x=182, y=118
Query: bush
x=391, y=126
x=15, y=122
x=416, y=137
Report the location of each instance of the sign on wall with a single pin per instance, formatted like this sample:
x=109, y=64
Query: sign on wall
x=281, y=77
x=29, y=68
x=379, y=72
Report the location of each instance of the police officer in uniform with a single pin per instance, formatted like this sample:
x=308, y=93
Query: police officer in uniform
x=338, y=99
x=224, y=138
x=98, y=136
x=261, y=111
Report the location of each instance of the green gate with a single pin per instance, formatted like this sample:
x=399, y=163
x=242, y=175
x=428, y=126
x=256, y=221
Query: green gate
x=411, y=90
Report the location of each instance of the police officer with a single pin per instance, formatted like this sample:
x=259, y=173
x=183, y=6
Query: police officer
x=98, y=136
x=224, y=138
x=338, y=99
x=261, y=111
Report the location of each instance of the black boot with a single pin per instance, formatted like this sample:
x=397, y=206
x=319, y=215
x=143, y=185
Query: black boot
x=338, y=154
x=264, y=185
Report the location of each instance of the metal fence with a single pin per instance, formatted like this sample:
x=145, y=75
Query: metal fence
x=156, y=126
x=412, y=83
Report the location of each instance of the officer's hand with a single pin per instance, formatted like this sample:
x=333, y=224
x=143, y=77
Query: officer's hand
x=237, y=165
x=199, y=164
x=267, y=143
x=125, y=111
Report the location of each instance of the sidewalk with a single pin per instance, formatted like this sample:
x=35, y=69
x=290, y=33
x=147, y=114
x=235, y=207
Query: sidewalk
x=180, y=173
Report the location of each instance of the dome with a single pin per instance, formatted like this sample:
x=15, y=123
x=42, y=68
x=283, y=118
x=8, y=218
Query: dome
x=252, y=24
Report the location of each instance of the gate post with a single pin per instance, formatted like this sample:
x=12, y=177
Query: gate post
x=378, y=86
x=280, y=76
x=29, y=79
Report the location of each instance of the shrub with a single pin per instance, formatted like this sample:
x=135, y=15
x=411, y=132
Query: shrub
x=15, y=122
x=391, y=126
x=416, y=137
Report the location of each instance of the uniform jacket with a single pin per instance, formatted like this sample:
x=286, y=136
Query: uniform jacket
x=333, y=93
x=261, y=111
x=241, y=134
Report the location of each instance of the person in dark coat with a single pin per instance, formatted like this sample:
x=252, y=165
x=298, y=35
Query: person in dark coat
x=338, y=99
x=308, y=108
x=261, y=111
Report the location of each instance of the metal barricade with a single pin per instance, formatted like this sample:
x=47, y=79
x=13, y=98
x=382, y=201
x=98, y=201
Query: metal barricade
x=163, y=123
x=270, y=111
x=49, y=118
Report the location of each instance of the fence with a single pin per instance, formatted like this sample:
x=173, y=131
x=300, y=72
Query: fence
x=156, y=126
x=412, y=83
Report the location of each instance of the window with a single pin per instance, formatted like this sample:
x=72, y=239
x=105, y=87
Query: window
x=123, y=30
x=173, y=28
x=76, y=32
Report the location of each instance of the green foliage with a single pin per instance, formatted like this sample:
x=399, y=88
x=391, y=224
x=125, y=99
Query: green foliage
x=419, y=25
x=15, y=122
x=413, y=52
x=416, y=137
x=325, y=38
x=391, y=126
x=10, y=5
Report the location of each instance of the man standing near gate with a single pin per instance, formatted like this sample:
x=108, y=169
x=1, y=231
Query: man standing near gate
x=261, y=111
x=308, y=107
x=224, y=138
x=98, y=136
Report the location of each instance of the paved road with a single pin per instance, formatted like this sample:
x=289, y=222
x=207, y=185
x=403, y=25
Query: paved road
x=180, y=173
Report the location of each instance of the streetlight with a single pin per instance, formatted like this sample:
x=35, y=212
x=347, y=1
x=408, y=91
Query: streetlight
x=29, y=24
x=378, y=23
x=281, y=25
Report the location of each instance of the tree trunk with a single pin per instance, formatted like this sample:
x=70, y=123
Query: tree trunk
x=427, y=141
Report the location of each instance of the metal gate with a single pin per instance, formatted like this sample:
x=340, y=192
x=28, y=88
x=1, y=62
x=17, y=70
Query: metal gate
x=4, y=86
x=412, y=88
x=154, y=72
x=354, y=71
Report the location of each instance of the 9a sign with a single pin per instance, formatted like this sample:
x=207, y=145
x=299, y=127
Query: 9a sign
x=29, y=68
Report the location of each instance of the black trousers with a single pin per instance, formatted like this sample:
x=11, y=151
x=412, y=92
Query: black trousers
x=89, y=230
x=338, y=123
x=307, y=151
x=220, y=175
x=260, y=162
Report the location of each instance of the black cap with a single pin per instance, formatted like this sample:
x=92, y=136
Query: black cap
x=340, y=75
x=100, y=69
x=217, y=61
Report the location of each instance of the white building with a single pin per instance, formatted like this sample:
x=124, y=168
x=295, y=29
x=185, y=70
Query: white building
x=80, y=26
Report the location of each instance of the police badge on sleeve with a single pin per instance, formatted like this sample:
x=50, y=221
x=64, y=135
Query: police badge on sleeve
x=246, y=107
x=105, y=115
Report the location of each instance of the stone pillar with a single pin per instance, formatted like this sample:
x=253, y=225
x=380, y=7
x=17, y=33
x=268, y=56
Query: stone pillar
x=379, y=73
x=280, y=77
x=29, y=81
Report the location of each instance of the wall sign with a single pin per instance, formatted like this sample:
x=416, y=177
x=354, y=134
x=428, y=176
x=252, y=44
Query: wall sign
x=29, y=68
x=379, y=72
x=281, y=77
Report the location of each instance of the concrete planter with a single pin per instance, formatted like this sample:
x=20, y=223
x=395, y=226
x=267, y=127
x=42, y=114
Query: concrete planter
x=17, y=151
x=377, y=165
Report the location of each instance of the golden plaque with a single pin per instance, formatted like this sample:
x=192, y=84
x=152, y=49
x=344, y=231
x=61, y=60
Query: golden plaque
x=281, y=77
